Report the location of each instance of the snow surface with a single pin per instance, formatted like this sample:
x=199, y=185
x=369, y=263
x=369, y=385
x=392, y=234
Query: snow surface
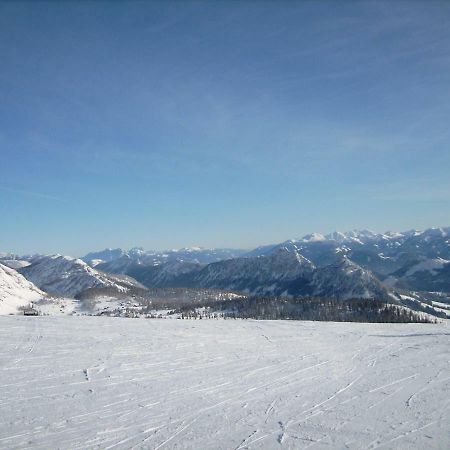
x=313, y=237
x=16, y=291
x=429, y=265
x=95, y=382
x=442, y=307
x=14, y=263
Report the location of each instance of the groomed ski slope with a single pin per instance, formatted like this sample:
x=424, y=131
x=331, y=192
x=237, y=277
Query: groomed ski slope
x=114, y=383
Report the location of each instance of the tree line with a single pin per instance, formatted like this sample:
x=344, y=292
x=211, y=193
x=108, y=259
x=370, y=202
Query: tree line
x=321, y=309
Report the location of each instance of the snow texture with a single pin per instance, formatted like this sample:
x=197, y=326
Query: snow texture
x=429, y=265
x=14, y=263
x=16, y=291
x=109, y=383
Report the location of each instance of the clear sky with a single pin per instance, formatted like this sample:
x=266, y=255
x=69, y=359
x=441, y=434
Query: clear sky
x=232, y=124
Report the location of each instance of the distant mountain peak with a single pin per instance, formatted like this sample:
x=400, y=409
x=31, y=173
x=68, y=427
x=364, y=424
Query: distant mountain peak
x=313, y=237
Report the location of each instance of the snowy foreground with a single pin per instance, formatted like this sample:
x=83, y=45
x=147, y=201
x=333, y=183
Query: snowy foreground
x=92, y=382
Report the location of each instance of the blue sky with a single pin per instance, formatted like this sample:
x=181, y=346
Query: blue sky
x=220, y=124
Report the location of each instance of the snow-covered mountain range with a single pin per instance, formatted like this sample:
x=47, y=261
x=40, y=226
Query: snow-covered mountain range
x=66, y=276
x=356, y=264
x=282, y=271
x=414, y=260
x=389, y=256
x=273, y=274
x=121, y=259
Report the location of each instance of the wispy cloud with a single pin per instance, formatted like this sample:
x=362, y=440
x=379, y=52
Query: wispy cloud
x=33, y=194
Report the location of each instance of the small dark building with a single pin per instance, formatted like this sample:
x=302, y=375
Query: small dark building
x=30, y=312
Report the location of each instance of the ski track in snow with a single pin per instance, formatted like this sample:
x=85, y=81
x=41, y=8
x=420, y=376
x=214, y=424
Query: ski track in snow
x=114, y=383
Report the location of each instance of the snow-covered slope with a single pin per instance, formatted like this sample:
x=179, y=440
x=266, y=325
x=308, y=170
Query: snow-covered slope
x=345, y=280
x=14, y=263
x=268, y=275
x=429, y=265
x=427, y=275
x=68, y=276
x=173, y=273
x=16, y=291
x=92, y=382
